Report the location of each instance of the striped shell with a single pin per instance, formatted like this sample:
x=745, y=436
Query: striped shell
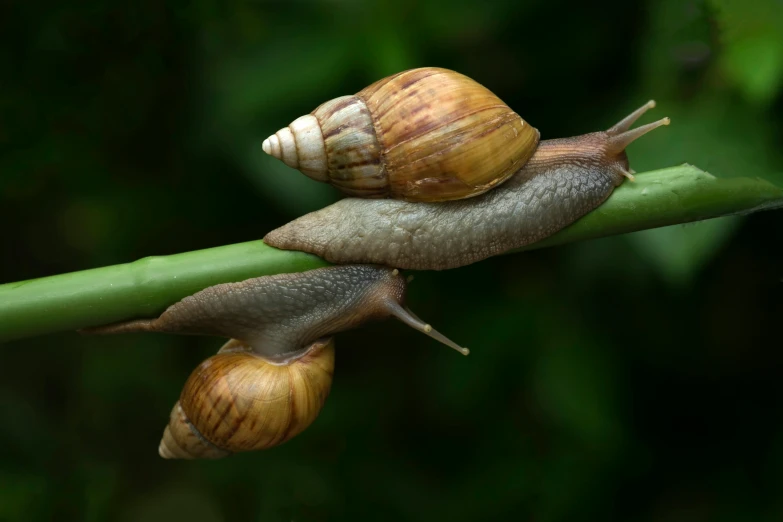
x=425, y=134
x=237, y=401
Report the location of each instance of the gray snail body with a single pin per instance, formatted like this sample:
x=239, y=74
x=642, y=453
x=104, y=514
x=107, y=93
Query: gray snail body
x=563, y=180
x=270, y=380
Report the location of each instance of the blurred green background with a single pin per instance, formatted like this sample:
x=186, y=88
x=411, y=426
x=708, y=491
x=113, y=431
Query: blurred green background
x=634, y=378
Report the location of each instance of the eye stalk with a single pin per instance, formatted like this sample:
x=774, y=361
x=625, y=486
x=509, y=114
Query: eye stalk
x=621, y=135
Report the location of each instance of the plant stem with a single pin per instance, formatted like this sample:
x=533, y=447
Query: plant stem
x=671, y=196
x=145, y=288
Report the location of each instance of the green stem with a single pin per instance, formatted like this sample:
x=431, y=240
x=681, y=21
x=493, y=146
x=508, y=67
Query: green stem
x=671, y=196
x=144, y=288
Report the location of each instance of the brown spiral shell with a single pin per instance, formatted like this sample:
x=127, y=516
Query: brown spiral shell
x=426, y=134
x=237, y=401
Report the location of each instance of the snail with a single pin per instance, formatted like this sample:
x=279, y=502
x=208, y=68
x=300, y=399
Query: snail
x=446, y=175
x=424, y=222
x=270, y=380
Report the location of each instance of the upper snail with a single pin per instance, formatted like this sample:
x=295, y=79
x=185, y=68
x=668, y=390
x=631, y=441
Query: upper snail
x=426, y=134
x=429, y=136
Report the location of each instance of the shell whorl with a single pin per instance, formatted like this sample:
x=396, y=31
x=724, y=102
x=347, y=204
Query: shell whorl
x=335, y=144
x=181, y=440
x=300, y=146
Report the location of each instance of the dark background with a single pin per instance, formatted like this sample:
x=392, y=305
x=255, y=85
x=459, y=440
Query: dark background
x=634, y=378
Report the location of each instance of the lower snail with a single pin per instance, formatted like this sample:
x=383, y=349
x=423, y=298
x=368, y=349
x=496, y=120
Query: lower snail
x=271, y=379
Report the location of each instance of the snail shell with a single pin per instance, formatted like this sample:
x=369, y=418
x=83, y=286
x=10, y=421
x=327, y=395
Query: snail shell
x=426, y=134
x=238, y=401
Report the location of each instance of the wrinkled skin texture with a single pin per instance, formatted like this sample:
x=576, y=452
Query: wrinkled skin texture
x=564, y=180
x=279, y=316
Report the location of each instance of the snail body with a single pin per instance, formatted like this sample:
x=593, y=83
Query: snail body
x=422, y=135
x=563, y=180
x=270, y=380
